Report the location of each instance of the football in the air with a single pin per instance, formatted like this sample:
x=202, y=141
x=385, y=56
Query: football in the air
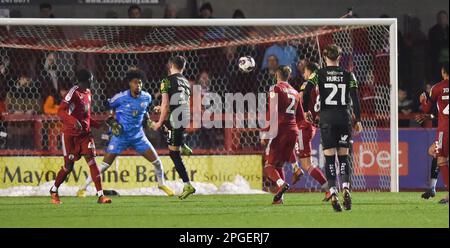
x=246, y=64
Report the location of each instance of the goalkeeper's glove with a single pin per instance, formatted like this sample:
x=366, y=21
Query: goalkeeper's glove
x=115, y=126
x=150, y=123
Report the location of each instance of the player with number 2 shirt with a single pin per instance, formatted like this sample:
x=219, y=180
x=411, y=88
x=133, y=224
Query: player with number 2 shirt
x=281, y=148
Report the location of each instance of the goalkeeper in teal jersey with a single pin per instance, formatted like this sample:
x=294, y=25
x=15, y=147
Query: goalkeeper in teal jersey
x=130, y=107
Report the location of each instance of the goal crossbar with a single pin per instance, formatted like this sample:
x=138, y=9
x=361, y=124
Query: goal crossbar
x=195, y=22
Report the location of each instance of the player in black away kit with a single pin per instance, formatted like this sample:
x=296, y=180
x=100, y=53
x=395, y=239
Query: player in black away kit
x=175, y=116
x=338, y=93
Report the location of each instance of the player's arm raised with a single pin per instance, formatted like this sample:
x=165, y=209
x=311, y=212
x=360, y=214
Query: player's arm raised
x=356, y=104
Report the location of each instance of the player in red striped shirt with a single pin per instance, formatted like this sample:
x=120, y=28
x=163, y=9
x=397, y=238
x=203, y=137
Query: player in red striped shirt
x=77, y=139
x=439, y=95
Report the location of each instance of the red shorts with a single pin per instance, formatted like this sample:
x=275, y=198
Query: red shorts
x=442, y=143
x=76, y=146
x=281, y=149
x=305, y=137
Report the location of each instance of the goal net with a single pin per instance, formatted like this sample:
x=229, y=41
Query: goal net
x=38, y=59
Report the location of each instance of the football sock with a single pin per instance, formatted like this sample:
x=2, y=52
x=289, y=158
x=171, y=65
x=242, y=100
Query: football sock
x=444, y=173
x=95, y=175
x=434, y=169
x=273, y=175
x=280, y=171
x=179, y=165
x=433, y=183
x=280, y=182
x=333, y=191
x=62, y=175
x=434, y=173
x=346, y=185
x=103, y=167
x=159, y=171
x=54, y=189
x=317, y=174
x=330, y=170
x=344, y=168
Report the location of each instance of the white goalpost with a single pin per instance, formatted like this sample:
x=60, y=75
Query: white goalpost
x=393, y=73
x=114, y=45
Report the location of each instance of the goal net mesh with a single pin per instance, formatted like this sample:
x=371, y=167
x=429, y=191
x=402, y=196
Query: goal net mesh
x=40, y=61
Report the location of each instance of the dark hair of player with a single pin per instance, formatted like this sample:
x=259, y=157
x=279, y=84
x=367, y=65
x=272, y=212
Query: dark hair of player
x=332, y=52
x=207, y=6
x=45, y=6
x=445, y=67
x=178, y=61
x=134, y=74
x=132, y=7
x=284, y=72
x=83, y=76
x=238, y=14
x=311, y=66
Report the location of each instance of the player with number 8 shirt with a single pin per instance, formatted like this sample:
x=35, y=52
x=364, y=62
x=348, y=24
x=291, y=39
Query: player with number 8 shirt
x=309, y=96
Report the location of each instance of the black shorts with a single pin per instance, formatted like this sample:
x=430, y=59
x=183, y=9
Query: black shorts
x=335, y=136
x=174, y=136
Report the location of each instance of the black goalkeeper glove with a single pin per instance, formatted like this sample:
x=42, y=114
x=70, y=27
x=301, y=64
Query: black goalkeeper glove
x=115, y=126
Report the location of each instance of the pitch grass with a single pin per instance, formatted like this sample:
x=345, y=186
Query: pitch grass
x=299, y=210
